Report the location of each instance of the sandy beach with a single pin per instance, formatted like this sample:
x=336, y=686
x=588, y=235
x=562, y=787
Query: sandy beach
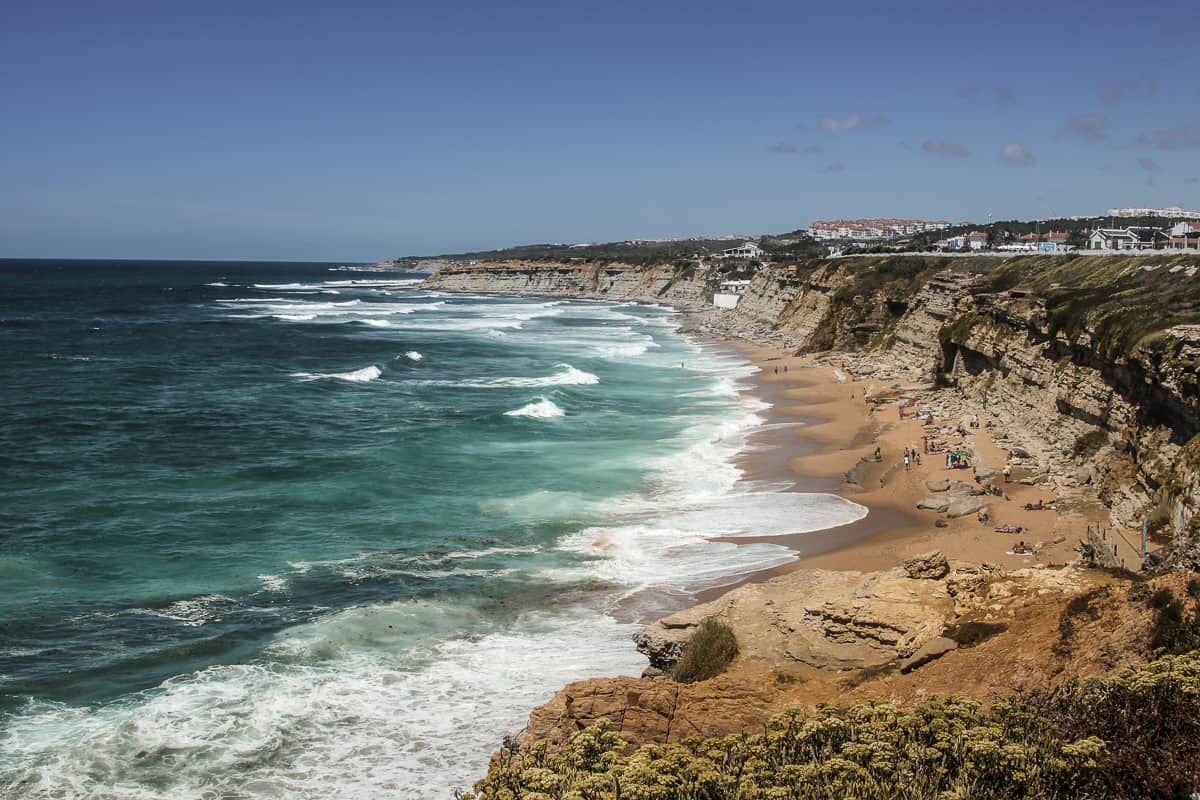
x=834, y=429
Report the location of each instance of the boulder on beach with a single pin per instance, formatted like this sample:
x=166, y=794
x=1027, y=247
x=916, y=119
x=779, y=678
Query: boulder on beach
x=934, y=503
x=962, y=487
x=963, y=506
x=985, y=473
x=938, y=486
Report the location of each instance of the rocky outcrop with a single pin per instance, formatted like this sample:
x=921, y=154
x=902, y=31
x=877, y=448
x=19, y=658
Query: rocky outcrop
x=931, y=566
x=818, y=637
x=823, y=619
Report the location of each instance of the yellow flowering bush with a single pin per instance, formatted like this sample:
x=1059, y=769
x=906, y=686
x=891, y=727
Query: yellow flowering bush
x=1133, y=734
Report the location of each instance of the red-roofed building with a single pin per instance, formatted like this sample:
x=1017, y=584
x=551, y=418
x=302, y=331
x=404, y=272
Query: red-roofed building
x=977, y=240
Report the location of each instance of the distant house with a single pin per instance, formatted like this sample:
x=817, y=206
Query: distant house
x=748, y=250
x=1112, y=239
x=953, y=243
x=977, y=240
x=1148, y=238
x=1184, y=236
x=1052, y=237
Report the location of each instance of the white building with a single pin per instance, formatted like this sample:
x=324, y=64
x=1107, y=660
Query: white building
x=872, y=229
x=731, y=292
x=977, y=240
x=746, y=250
x=1174, y=211
x=1112, y=239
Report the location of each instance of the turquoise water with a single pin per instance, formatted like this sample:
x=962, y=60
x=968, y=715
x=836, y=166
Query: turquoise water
x=302, y=530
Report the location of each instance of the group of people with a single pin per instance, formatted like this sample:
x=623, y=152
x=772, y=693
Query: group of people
x=910, y=456
x=956, y=461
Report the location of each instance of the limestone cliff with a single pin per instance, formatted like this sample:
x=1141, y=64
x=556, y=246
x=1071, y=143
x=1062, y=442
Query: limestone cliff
x=682, y=286
x=1089, y=363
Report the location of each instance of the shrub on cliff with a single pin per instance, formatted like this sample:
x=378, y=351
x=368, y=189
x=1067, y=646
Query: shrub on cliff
x=707, y=653
x=1132, y=734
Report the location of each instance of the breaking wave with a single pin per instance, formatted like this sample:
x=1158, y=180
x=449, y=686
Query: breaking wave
x=363, y=375
x=538, y=409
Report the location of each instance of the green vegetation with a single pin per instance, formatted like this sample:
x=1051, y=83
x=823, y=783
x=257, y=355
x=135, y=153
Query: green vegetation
x=958, y=330
x=1135, y=734
x=1123, y=301
x=784, y=247
x=707, y=653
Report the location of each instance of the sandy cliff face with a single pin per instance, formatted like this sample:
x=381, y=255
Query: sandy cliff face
x=1120, y=424
x=682, y=287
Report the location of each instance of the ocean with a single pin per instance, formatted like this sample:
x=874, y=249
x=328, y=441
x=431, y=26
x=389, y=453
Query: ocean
x=291, y=530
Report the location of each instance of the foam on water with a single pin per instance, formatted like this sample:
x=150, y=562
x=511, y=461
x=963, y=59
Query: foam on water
x=349, y=707
x=363, y=375
x=541, y=408
x=408, y=699
x=567, y=375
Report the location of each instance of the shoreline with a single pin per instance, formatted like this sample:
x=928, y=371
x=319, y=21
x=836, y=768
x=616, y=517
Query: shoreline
x=819, y=429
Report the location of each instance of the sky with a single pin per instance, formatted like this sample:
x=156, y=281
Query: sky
x=359, y=131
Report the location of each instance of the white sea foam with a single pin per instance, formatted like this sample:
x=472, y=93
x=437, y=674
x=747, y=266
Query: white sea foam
x=216, y=284
x=356, y=376
x=538, y=409
x=376, y=323
x=567, y=375
x=273, y=583
x=413, y=355
x=364, y=704
x=193, y=611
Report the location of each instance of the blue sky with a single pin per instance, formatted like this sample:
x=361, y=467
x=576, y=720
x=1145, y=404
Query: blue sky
x=359, y=131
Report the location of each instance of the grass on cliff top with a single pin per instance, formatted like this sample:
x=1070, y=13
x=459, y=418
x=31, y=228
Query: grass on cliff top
x=1124, y=301
x=1134, y=734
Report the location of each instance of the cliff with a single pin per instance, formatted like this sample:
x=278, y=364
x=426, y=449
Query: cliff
x=1089, y=371
x=684, y=286
x=1090, y=363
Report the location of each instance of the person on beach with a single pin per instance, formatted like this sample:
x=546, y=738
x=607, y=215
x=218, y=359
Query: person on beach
x=1007, y=473
x=878, y=456
x=906, y=460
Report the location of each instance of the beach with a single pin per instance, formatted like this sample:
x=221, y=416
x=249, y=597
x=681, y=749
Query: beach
x=833, y=429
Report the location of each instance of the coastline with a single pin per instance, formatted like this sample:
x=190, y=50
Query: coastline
x=820, y=428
